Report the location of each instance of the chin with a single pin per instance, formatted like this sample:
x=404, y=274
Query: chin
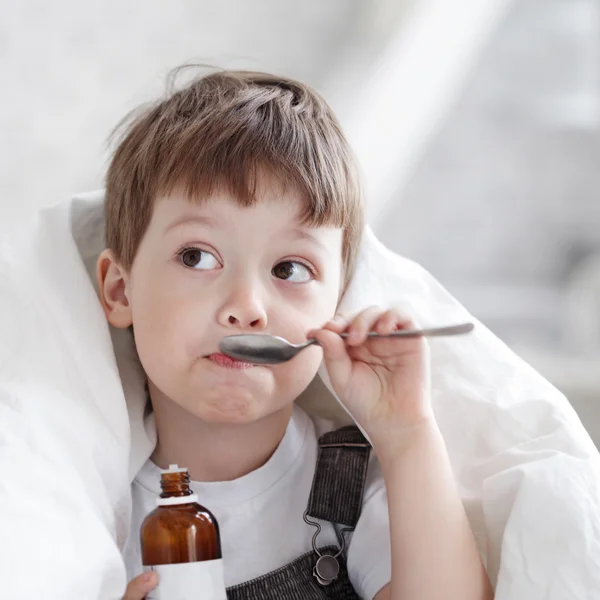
x=236, y=407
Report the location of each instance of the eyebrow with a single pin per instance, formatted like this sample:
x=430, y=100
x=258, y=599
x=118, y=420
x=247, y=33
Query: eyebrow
x=192, y=219
x=303, y=234
x=295, y=233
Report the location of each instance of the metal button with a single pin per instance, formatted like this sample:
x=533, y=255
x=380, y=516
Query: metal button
x=327, y=569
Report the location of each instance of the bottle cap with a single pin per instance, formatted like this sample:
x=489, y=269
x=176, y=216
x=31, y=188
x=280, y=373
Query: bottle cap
x=174, y=469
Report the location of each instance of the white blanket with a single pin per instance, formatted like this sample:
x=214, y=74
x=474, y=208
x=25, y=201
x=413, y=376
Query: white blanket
x=72, y=433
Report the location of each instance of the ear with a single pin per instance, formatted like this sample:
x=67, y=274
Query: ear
x=113, y=283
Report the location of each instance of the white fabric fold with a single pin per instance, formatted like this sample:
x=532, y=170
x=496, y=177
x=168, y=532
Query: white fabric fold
x=73, y=434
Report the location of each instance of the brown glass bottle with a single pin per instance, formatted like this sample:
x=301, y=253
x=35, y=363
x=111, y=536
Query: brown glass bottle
x=180, y=540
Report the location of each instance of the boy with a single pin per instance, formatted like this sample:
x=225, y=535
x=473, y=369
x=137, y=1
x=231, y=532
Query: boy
x=232, y=206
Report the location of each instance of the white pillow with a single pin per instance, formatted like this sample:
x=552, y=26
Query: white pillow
x=72, y=432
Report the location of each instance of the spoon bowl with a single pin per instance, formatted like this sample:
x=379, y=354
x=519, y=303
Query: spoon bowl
x=264, y=349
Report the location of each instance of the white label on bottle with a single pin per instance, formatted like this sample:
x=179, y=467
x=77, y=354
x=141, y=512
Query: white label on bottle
x=189, y=581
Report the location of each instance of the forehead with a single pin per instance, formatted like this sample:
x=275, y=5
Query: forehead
x=277, y=216
x=221, y=207
x=259, y=184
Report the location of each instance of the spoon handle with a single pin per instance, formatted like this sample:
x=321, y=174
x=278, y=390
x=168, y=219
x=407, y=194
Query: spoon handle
x=430, y=332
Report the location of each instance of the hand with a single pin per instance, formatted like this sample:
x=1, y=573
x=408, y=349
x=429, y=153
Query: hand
x=140, y=586
x=384, y=383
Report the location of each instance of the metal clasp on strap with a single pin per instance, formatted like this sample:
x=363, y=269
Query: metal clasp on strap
x=327, y=568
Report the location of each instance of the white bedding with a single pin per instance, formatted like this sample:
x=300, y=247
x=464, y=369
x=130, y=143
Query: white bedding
x=72, y=433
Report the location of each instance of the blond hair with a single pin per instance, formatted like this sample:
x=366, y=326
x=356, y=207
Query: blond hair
x=220, y=131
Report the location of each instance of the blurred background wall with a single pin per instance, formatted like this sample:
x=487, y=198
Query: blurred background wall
x=477, y=125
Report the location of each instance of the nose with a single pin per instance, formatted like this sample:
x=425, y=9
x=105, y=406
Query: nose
x=243, y=308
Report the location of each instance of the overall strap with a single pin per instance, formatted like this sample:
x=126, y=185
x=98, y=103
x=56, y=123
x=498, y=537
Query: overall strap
x=339, y=481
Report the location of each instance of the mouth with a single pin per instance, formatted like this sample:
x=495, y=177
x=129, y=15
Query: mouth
x=227, y=362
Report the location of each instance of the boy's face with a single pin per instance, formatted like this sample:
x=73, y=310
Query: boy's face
x=207, y=270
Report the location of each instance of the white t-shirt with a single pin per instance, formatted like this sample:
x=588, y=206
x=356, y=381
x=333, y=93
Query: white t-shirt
x=260, y=514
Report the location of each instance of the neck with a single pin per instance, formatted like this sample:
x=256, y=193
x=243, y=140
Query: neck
x=214, y=451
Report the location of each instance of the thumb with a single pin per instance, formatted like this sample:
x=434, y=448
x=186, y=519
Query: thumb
x=140, y=586
x=335, y=356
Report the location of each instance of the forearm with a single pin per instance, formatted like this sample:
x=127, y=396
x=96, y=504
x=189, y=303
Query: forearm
x=434, y=555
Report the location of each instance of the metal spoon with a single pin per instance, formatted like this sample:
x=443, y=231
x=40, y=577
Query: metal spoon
x=266, y=349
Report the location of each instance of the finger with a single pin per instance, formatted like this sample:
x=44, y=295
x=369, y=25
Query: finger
x=140, y=586
x=392, y=320
x=360, y=326
x=337, y=361
x=386, y=323
x=338, y=324
x=388, y=347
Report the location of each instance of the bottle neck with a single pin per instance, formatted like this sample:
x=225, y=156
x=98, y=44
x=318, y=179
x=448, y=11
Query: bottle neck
x=176, y=489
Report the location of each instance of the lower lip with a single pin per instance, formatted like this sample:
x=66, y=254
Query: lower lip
x=229, y=363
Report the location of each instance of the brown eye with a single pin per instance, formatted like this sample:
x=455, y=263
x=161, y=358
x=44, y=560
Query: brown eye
x=191, y=257
x=194, y=258
x=292, y=271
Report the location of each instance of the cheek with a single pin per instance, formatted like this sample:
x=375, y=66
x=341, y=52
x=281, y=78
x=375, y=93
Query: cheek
x=295, y=375
x=300, y=371
x=159, y=327
x=313, y=304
